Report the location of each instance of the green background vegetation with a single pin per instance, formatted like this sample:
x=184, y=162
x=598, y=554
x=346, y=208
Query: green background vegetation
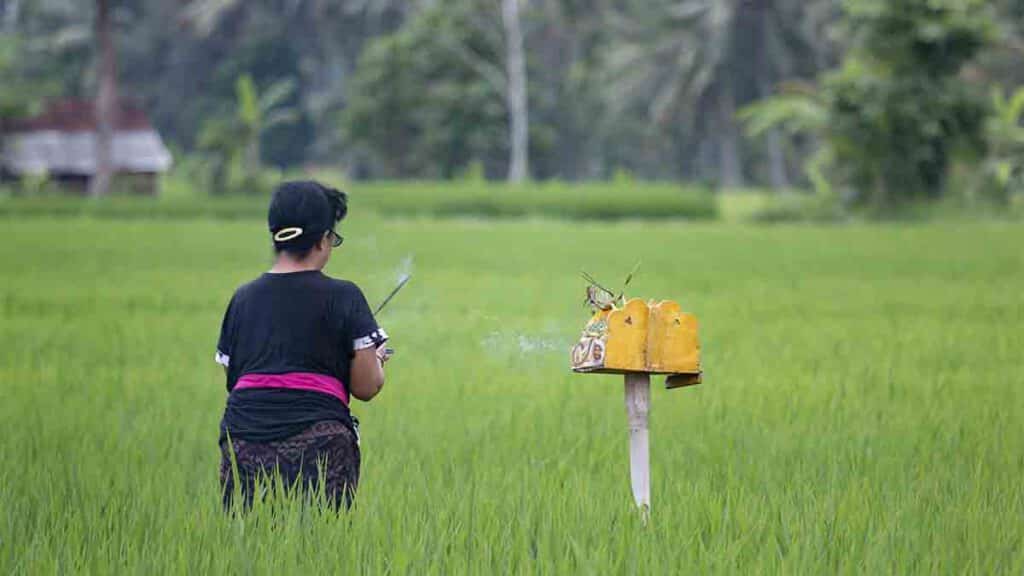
x=620, y=199
x=594, y=201
x=873, y=105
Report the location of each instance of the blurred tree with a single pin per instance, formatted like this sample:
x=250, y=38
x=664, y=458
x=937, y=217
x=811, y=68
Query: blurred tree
x=106, y=101
x=898, y=102
x=25, y=83
x=231, y=143
x=14, y=103
x=56, y=40
x=897, y=111
x=1000, y=62
x=799, y=110
x=1004, y=165
x=314, y=43
x=436, y=95
x=573, y=112
x=691, y=63
x=515, y=92
x=645, y=87
x=18, y=94
x=492, y=48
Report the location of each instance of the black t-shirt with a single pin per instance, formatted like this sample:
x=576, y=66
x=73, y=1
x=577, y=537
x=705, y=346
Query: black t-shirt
x=285, y=323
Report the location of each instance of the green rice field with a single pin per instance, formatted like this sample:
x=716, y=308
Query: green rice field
x=862, y=410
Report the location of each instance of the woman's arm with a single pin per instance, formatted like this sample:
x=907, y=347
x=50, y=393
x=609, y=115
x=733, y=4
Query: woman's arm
x=367, y=374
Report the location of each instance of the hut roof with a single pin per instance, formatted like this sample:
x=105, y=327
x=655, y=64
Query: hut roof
x=63, y=140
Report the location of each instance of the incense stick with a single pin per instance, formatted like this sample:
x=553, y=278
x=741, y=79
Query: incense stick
x=405, y=279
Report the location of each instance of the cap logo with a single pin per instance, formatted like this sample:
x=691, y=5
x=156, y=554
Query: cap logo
x=286, y=234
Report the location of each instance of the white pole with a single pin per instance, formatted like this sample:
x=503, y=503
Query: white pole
x=638, y=402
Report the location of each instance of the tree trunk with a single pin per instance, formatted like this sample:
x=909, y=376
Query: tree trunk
x=776, y=160
x=730, y=173
x=777, y=176
x=515, y=93
x=106, y=102
x=11, y=11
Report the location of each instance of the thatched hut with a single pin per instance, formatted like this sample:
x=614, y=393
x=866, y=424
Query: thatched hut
x=61, y=144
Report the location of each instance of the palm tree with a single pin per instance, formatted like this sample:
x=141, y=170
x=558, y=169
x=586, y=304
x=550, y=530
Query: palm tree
x=329, y=34
x=234, y=141
x=692, y=63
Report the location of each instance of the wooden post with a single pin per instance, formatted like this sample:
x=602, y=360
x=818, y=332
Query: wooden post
x=638, y=402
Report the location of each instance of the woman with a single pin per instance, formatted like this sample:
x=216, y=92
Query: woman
x=297, y=346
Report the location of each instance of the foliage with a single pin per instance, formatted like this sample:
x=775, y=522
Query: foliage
x=185, y=75
x=860, y=411
x=313, y=44
x=894, y=117
x=1004, y=164
x=805, y=208
x=798, y=110
x=477, y=199
x=422, y=104
x=21, y=91
x=646, y=86
x=231, y=144
x=897, y=108
x=51, y=44
x=466, y=199
x=551, y=200
x=795, y=111
x=687, y=65
x=12, y=102
x=993, y=184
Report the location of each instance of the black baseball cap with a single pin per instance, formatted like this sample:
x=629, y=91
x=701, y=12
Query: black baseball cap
x=302, y=211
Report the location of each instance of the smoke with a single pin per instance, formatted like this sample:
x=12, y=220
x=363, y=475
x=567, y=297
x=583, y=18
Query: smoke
x=533, y=344
x=518, y=343
x=404, y=269
x=402, y=274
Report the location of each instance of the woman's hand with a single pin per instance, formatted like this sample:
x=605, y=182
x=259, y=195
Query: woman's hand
x=367, y=374
x=384, y=353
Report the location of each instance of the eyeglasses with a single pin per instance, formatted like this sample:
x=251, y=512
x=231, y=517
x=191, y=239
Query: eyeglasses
x=336, y=239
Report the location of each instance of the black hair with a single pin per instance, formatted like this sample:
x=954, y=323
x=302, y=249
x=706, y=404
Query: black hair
x=301, y=212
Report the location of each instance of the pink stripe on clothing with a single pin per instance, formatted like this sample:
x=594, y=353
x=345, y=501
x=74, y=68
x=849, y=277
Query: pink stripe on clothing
x=296, y=381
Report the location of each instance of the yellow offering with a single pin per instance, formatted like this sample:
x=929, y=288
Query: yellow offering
x=654, y=337
x=637, y=339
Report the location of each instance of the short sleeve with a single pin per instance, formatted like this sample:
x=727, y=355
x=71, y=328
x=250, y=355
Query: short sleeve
x=225, y=344
x=363, y=328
